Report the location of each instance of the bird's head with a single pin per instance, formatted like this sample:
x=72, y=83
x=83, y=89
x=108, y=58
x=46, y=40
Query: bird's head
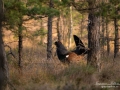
x=58, y=43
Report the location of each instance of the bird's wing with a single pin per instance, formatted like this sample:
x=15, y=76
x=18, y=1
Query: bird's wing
x=78, y=42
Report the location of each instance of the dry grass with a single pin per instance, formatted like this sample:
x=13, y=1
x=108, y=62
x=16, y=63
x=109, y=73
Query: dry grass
x=41, y=74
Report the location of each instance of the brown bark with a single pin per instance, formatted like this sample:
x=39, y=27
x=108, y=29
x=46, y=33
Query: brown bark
x=117, y=38
x=103, y=37
x=81, y=27
x=58, y=29
x=93, y=37
x=108, y=40
x=3, y=59
x=70, y=28
x=42, y=32
x=20, y=46
x=49, y=35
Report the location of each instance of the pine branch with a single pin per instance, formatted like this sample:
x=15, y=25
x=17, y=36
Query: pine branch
x=34, y=17
x=82, y=9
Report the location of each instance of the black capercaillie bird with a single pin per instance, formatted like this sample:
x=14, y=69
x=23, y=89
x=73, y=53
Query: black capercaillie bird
x=66, y=56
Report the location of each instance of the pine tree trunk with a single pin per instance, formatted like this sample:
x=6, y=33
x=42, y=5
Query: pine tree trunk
x=71, y=28
x=58, y=29
x=65, y=30
x=49, y=35
x=117, y=38
x=108, y=40
x=20, y=41
x=93, y=37
x=3, y=59
x=103, y=38
x=81, y=27
x=42, y=34
x=20, y=46
x=3, y=64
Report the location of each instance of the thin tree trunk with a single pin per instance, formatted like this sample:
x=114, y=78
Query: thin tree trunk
x=108, y=40
x=81, y=27
x=20, y=46
x=65, y=29
x=71, y=28
x=49, y=35
x=3, y=59
x=49, y=39
x=116, y=40
x=58, y=29
x=61, y=31
x=93, y=37
x=42, y=34
x=103, y=37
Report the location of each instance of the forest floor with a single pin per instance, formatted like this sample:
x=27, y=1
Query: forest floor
x=38, y=73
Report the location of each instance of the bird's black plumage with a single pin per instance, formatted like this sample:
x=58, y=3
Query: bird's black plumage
x=78, y=42
x=67, y=56
x=62, y=52
x=80, y=47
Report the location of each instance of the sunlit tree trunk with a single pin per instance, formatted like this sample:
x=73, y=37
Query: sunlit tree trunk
x=71, y=28
x=65, y=28
x=81, y=27
x=3, y=59
x=108, y=39
x=59, y=29
x=103, y=37
x=42, y=32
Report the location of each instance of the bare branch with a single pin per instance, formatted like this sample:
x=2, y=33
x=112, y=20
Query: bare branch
x=10, y=51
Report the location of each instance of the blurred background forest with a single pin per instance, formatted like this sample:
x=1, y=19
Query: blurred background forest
x=30, y=28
